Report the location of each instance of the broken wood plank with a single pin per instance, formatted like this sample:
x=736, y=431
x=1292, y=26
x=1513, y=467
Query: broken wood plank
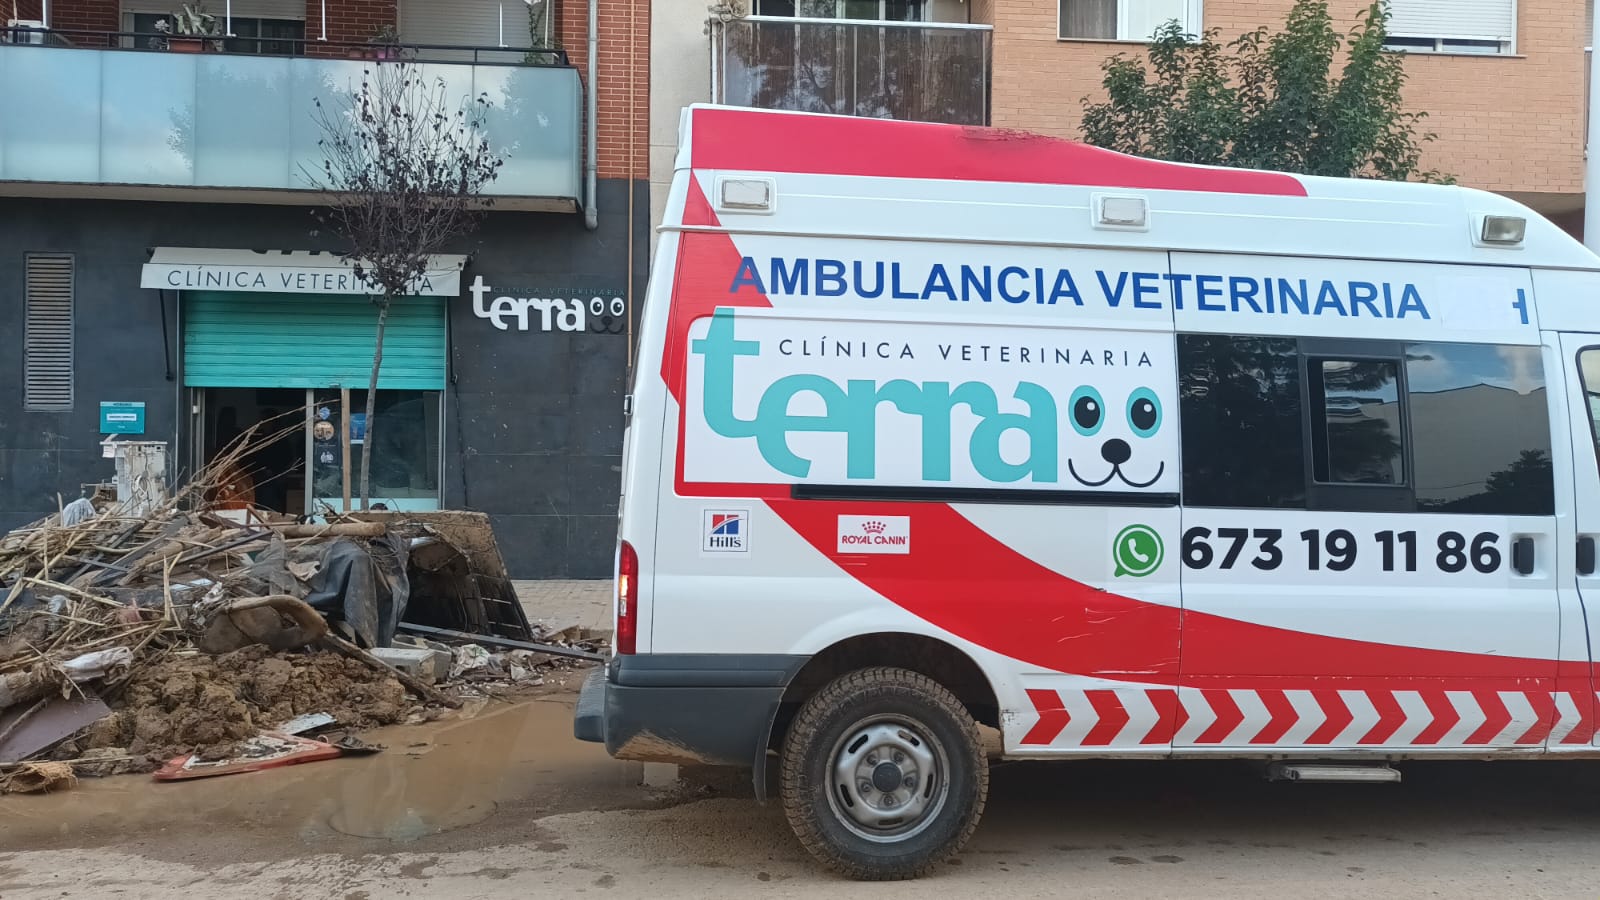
x=492, y=641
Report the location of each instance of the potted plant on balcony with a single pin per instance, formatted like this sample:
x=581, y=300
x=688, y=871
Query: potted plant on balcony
x=384, y=43
x=194, y=25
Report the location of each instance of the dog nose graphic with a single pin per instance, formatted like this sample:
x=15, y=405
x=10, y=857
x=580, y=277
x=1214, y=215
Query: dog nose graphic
x=1116, y=451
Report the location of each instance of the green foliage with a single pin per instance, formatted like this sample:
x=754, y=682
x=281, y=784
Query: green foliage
x=1267, y=101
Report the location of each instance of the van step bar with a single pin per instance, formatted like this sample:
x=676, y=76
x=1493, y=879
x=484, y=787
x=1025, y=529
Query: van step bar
x=1293, y=771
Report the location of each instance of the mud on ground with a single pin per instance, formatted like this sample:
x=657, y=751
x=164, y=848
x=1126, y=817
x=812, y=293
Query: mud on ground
x=194, y=703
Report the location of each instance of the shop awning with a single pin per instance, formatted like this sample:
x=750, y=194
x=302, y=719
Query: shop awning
x=280, y=272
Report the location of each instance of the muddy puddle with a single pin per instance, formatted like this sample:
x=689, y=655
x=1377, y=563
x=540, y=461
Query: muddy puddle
x=516, y=760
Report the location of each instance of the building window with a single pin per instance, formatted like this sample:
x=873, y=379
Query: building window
x=1124, y=20
x=862, y=10
x=1480, y=429
x=269, y=37
x=1240, y=408
x=47, y=332
x=1453, y=26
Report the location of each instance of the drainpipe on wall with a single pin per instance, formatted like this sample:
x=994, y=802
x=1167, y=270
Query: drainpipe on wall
x=1592, y=148
x=591, y=213
x=1591, y=162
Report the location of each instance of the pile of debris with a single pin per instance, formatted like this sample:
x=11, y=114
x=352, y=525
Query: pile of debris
x=188, y=637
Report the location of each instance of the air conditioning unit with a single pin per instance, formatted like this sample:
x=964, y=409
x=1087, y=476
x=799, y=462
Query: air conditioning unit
x=24, y=31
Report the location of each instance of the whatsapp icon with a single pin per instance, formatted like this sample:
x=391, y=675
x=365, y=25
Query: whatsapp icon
x=1137, y=551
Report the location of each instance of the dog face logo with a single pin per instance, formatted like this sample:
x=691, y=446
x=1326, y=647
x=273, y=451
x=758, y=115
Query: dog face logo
x=607, y=317
x=1118, y=432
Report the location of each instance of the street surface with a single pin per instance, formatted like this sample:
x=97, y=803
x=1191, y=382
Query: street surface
x=507, y=805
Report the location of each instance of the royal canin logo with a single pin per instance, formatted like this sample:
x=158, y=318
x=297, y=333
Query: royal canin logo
x=875, y=534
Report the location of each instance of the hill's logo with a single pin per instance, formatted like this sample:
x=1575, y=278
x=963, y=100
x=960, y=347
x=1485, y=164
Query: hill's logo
x=874, y=534
x=726, y=531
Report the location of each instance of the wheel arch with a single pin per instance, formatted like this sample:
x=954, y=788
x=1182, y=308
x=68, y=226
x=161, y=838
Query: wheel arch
x=939, y=660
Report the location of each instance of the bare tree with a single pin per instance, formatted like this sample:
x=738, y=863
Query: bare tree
x=404, y=168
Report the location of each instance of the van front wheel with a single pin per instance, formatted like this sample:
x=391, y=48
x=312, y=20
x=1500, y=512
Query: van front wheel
x=884, y=775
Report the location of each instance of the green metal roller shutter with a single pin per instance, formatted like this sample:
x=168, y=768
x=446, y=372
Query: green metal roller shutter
x=310, y=341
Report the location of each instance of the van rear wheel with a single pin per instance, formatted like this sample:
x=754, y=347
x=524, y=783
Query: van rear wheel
x=884, y=775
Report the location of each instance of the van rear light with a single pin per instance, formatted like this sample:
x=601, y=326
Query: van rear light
x=627, y=600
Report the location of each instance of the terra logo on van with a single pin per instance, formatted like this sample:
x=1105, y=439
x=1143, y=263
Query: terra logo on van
x=1089, y=417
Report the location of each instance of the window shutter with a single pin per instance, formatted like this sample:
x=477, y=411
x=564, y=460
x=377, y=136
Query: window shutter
x=1475, y=20
x=467, y=23
x=47, y=340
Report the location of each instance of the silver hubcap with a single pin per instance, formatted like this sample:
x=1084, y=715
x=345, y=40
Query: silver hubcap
x=888, y=780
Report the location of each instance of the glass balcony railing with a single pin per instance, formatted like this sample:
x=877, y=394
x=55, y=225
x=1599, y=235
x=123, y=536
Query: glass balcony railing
x=921, y=71
x=217, y=120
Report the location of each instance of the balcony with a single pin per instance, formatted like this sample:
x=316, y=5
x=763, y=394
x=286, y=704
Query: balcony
x=919, y=71
x=238, y=124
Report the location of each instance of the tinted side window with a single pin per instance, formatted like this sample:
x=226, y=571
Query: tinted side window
x=1240, y=407
x=1357, y=438
x=1480, y=429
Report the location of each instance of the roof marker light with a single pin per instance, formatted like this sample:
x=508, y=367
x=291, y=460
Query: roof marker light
x=1121, y=212
x=746, y=194
x=1504, y=230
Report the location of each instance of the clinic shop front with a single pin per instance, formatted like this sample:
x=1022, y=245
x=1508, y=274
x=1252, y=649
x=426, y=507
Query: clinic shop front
x=500, y=388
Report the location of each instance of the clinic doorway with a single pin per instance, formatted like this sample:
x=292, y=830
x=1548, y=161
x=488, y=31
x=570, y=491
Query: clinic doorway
x=304, y=456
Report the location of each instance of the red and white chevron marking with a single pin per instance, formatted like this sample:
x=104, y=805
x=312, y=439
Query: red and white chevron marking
x=1192, y=717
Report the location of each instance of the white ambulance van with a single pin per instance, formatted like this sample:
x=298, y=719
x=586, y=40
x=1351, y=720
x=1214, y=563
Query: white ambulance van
x=936, y=428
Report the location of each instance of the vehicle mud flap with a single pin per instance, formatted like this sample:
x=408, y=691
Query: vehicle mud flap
x=758, y=771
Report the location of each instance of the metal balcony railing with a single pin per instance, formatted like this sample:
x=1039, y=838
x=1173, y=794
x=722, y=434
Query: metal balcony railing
x=143, y=113
x=921, y=71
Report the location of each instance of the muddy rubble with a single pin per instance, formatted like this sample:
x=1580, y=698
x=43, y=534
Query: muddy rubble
x=208, y=705
x=181, y=637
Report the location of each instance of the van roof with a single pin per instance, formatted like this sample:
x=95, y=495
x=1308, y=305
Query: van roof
x=925, y=167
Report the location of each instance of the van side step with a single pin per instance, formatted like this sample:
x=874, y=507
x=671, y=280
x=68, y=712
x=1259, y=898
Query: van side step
x=1294, y=771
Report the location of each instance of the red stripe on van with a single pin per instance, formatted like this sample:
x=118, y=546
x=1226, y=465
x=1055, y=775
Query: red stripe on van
x=751, y=141
x=962, y=579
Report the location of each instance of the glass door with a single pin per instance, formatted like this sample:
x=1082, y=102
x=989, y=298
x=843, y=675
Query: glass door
x=405, y=432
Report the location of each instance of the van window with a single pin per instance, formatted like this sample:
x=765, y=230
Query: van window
x=1358, y=437
x=1589, y=369
x=1480, y=429
x=1240, y=409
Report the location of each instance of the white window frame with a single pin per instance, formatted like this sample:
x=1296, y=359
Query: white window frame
x=1195, y=23
x=1460, y=44
x=838, y=13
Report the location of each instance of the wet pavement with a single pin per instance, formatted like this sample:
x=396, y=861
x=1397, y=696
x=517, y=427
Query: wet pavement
x=507, y=805
x=431, y=780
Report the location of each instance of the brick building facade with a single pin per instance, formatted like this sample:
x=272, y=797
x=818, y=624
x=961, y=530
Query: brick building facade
x=1512, y=122
x=1504, y=82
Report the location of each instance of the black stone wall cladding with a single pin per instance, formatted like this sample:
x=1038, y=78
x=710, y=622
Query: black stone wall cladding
x=533, y=427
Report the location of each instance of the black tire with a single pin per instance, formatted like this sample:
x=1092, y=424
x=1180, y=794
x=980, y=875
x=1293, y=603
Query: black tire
x=837, y=729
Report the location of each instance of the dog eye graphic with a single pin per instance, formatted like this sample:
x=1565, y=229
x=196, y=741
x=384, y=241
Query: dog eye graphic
x=1144, y=412
x=1088, y=411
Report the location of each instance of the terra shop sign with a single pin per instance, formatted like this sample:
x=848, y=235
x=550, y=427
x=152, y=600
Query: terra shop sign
x=600, y=312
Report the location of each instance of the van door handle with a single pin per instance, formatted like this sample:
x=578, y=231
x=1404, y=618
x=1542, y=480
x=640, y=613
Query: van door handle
x=1586, y=555
x=1522, y=555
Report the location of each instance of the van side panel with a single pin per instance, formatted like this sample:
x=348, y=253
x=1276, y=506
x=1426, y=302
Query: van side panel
x=963, y=424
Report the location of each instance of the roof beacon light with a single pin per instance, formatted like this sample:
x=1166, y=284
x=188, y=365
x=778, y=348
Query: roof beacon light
x=1504, y=230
